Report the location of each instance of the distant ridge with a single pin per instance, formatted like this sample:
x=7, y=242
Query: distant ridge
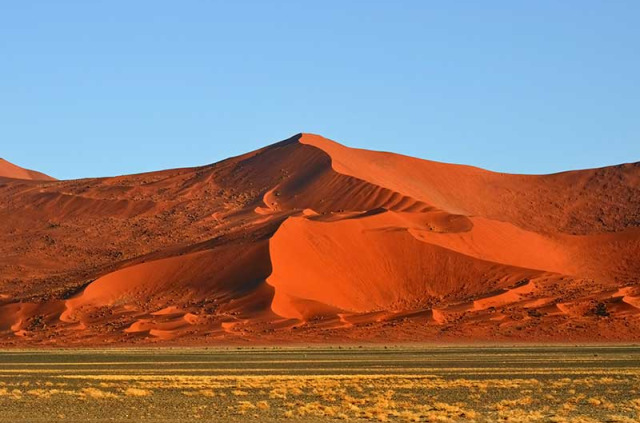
x=10, y=170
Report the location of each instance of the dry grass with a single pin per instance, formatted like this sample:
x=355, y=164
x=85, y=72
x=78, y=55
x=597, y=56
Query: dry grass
x=389, y=397
x=400, y=393
x=137, y=392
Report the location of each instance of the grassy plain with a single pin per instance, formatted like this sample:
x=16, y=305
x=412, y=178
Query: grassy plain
x=442, y=384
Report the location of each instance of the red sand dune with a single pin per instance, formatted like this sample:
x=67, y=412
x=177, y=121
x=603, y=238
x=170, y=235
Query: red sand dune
x=9, y=170
x=309, y=241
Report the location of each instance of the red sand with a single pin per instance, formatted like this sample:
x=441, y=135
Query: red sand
x=308, y=241
x=9, y=170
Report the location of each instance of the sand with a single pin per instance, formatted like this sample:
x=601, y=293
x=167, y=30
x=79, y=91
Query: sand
x=309, y=241
x=10, y=170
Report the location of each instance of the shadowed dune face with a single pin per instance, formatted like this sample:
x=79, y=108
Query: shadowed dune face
x=310, y=241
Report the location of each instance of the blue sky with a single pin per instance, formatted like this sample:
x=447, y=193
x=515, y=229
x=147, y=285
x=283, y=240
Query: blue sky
x=96, y=88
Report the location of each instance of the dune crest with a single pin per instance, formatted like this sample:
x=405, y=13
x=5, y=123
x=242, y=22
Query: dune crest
x=307, y=240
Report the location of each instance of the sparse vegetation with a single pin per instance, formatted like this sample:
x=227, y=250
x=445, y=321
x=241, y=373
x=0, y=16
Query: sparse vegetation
x=601, y=310
x=313, y=385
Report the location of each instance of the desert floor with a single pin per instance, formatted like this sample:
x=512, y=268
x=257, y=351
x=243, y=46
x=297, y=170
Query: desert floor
x=483, y=384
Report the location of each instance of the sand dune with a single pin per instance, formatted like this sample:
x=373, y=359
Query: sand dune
x=310, y=241
x=9, y=170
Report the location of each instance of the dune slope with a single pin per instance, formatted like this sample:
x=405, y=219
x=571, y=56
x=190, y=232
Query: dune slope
x=9, y=170
x=310, y=241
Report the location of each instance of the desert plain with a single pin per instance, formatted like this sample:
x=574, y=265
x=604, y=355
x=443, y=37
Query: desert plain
x=586, y=384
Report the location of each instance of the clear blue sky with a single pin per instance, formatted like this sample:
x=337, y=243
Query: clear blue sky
x=96, y=88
